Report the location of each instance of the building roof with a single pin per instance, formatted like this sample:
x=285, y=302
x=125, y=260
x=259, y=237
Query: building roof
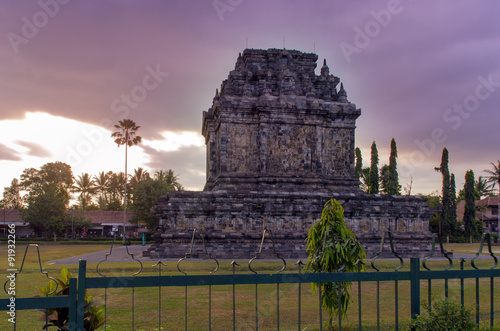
x=98, y=217
x=105, y=217
x=484, y=217
x=489, y=201
x=11, y=216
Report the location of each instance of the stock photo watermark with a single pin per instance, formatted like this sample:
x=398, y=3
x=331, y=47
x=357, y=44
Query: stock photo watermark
x=122, y=106
x=32, y=25
x=453, y=118
x=10, y=285
x=126, y=102
x=223, y=6
x=372, y=29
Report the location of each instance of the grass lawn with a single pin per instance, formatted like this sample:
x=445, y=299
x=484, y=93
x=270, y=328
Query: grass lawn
x=144, y=302
x=471, y=248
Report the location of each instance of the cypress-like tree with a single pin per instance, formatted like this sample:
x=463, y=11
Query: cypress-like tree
x=446, y=223
x=453, y=201
x=470, y=203
x=373, y=188
x=393, y=186
x=384, y=179
x=358, y=169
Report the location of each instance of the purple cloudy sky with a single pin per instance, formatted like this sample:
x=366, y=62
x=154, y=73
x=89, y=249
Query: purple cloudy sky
x=424, y=72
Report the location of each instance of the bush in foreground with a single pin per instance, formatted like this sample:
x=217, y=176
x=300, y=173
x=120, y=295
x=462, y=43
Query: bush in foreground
x=445, y=316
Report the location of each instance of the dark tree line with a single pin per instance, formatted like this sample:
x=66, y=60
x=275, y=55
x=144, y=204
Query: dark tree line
x=386, y=180
x=448, y=224
x=45, y=195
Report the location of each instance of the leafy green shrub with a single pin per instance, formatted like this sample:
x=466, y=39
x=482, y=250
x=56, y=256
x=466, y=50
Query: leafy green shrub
x=445, y=316
x=58, y=317
x=333, y=247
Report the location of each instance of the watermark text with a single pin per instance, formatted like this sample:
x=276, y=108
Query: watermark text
x=10, y=285
x=31, y=26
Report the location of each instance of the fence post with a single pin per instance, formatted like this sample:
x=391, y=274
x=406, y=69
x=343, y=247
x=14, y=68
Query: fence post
x=415, y=287
x=72, y=304
x=80, y=307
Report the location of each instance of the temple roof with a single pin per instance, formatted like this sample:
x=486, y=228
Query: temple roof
x=277, y=72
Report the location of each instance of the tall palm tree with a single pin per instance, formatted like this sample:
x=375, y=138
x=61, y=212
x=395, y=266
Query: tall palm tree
x=115, y=186
x=160, y=175
x=494, y=176
x=481, y=186
x=365, y=179
x=139, y=175
x=169, y=178
x=127, y=135
x=102, y=181
x=384, y=179
x=86, y=187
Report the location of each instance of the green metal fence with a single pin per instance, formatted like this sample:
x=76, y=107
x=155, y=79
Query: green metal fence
x=419, y=277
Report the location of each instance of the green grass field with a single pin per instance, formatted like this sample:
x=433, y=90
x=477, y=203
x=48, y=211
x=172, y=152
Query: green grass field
x=471, y=248
x=146, y=300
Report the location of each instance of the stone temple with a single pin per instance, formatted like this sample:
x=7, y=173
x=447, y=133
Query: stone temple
x=280, y=143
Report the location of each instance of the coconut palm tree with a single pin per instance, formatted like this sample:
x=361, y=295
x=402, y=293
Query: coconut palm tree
x=102, y=181
x=115, y=186
x=126, y=135
x=494, y=175
x=169, y=178
x=139, y=175
x=86, y=187
x=481, y=186
x=365, y=179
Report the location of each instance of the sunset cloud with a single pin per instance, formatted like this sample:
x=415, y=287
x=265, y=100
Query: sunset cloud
x=424, y=72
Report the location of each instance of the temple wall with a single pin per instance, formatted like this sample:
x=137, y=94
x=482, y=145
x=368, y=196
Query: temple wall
x=239, y=218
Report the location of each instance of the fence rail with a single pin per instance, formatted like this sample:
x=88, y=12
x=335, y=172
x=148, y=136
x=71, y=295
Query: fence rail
x=416, y=276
